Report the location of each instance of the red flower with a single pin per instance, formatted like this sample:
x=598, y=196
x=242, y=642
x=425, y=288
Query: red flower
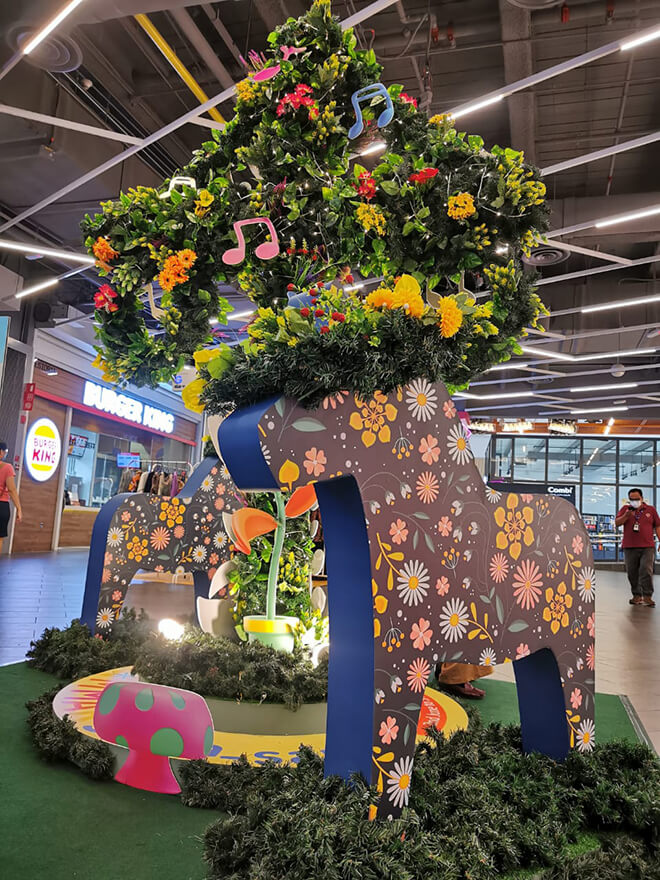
x=325, y=330
x=103, y=298
x=408, y=99
x=349, y=279
x=365, y=185
x=337, y=316
x=291, y=287
x=298, y=98
x=319, y=313
x=304, y=312
x=423, y=176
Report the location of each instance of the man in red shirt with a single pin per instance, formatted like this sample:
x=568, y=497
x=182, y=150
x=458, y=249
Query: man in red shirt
x=639, y=521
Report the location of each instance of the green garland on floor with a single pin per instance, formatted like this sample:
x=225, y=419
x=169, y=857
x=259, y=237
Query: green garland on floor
x=479, y=809
x=210, y=665
x=57, y=739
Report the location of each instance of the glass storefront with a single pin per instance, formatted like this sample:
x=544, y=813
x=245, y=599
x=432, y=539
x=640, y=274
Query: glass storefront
x=602, y=469
x=97, y=459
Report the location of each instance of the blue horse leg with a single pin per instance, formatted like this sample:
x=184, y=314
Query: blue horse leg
x=541, y=703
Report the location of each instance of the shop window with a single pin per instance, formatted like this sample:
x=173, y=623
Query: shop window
x=599, y=461
x=636, y=462
x=81, y=458
x=501, y=463
x=529, y=460
x=564, y=460
x=599, y=506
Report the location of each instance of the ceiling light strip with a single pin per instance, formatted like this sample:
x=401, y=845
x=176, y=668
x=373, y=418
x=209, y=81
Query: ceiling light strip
x=189, y=116
x=602, y=222
x=557, y=70
x=620, y=304
x=41, y=35
x=573, y=358
x=23, y=247
x=601, y=154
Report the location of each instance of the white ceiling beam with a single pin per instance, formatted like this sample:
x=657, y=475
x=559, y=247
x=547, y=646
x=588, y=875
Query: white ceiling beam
x=8, y=110
x=587, y=252
x=601, y=154
x=569, y=276
x=190, y=116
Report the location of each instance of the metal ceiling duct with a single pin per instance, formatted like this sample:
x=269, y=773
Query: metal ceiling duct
x=546, y=255
x=95, y=11
x=58, y=53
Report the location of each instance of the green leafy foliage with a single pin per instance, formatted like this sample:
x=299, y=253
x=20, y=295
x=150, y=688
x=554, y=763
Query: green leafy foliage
x=479, y=809
x=57, y=739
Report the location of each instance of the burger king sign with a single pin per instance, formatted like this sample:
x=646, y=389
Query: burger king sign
x=42, y=450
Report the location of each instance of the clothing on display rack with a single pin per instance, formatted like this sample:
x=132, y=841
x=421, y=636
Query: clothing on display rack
x=162, y=478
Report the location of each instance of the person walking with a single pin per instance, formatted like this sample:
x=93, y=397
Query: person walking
x=7, y=491
x=639, y=520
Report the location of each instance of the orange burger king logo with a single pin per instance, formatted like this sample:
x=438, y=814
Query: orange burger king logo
x=43, y=448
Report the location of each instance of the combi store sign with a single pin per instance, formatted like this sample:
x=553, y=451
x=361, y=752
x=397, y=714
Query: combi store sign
x=124, y=407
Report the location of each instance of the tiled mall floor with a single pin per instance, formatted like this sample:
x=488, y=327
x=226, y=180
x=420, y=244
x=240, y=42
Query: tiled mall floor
x=43, y=590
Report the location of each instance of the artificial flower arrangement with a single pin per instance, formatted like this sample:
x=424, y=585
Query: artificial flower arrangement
x=437, y=206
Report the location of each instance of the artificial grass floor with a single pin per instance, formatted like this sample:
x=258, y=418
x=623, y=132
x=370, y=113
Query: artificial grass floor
x=60, y=825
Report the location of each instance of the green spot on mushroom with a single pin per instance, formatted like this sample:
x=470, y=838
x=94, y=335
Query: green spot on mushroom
x=178, y=700
x=109, y=699
x=166, y=741
x=121, y=741
x=208, y=740
x=144, y=699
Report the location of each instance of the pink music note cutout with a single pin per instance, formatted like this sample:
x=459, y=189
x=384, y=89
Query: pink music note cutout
x=288, y=51
x=265, y=251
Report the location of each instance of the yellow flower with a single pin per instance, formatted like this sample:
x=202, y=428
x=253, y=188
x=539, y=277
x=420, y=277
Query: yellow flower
x=204, y=355
x=440, y=118
x=372, y=419
x=451, y=316
x=556, y=611
x=515, y=525
x=407, y=296
x=191, y=394
x=461, y=206
x=382, y=297
x=203, y=202
x=371, y=217
x=245, y=90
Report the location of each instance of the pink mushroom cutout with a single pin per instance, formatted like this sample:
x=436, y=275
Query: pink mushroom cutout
x=155, y=723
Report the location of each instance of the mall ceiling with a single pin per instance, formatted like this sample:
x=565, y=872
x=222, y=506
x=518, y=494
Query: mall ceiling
x=103, y=70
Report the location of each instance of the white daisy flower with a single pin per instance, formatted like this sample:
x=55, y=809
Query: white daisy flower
x=104, y=618
x=413, y=583
x=207, y=484
x=458, y=446
x=492, y=494
x=398, y=786
x=487, y=657
x=422, y=399
x=587, y=584
x=115, y=536
x=199, y=553
x=454, y=620
x=224, y=472
x=586, y=736
x=219, y=540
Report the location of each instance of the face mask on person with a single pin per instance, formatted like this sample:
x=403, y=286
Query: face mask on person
x=636, y=503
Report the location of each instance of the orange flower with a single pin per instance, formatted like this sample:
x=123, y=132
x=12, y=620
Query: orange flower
x=103, y=250
x=174, y=269
x=186, y=257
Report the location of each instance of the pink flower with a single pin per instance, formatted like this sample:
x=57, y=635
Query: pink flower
x=527, y=582
x=442, y=586
x=522, y=651
x=578, y=544
x=388, y=730
x=429, y=448
x=179, y=531
x=449, y=409
x=591, y=626
x=408, y=99
x=398, y=531
x=427, y=487
x=315, y=461
x=444, y=527
x=420, y=634
x=107, y=559
x=213, y=559
x=526, y=497
x=125, y=516
x=220, y=489
x=116, y=596
x=417, y=675
x=591, y=659
x=219, y=503
x=105, y=576
x=499, y=568
x=334, y=400
x=576, y=698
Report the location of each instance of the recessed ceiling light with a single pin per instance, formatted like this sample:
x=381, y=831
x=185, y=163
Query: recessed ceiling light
x=41, y=35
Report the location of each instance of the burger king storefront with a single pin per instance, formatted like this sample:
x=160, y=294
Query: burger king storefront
x=84, y=441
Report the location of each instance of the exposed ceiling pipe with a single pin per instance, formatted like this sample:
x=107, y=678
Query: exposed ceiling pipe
x=96, y=11
x=147, y=25
x=619, y=120
x=222, y=31
x=206, y=53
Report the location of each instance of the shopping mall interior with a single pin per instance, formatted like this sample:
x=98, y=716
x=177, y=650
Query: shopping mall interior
x=330, y=368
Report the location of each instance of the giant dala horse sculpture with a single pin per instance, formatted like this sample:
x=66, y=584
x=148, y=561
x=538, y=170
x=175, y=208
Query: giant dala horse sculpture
x=426, y=564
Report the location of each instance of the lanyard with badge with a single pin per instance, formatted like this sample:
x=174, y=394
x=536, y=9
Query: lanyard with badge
x=637, y=514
